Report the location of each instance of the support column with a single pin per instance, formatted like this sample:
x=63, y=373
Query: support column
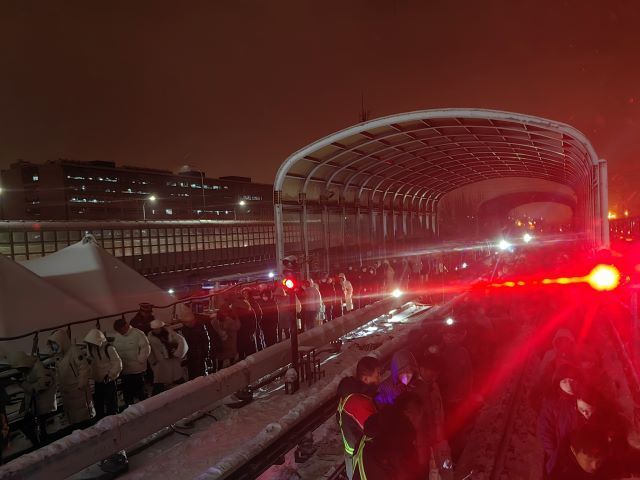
x=302, y=197
x=325, y=236
x=279, y=228
x=358, y=235
x=603, y=188
x=343, y=224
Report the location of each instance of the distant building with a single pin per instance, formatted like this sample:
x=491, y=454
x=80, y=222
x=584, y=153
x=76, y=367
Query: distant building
x=74, y=190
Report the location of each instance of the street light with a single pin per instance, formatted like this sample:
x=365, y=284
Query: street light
x=151, y=198
x=242, y=203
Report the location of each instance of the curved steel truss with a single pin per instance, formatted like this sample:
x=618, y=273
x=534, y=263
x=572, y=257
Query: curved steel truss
x=404, y=164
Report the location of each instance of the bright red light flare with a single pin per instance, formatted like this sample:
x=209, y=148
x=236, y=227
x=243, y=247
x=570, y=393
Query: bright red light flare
x=289, y=283
x=604, y=278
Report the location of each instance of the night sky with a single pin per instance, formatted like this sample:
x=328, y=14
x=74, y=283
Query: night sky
x=233, y=87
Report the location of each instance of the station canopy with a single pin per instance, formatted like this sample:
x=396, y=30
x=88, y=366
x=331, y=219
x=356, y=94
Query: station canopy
x=409, y=161
x=429, y=153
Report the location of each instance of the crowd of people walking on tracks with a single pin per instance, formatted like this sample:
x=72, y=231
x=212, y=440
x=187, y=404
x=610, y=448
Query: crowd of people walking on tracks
x=105, y=372
x=416, y=423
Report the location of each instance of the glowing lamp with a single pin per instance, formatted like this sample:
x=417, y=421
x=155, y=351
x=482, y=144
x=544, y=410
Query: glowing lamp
x=271, y=274
x=449, y=321
x=503, y=244
x=397, y=293
x=289, y=283
x=526, y=238
x=171, y=291
x=604, y=278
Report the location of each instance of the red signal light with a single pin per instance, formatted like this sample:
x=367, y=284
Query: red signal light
x=604, y=278
x=289, y=283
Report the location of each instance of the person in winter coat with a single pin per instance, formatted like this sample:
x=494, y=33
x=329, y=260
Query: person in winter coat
x=287, y=311
x=269, y=318
x=311, y=300
x=403, y=371
x=356, y=406
x=457, y=388
x=133, y=348
x=247, y=294
x=227, y=326
x=430, y=436
x=73, y=372
x=106, y=366
x=168, y=348
x=388, y=450
x=388, y=277
x=347, y=292
x=142, y=320
x=39, y=386
x=558, y=414
x=330, y=297
x=562, y=352
x=582, y=457
x=243, y=311
x=197, y=337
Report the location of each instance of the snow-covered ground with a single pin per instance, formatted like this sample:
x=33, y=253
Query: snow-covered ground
x=225, y=433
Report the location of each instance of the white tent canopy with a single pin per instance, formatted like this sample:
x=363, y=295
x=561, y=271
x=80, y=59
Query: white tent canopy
x=96, y=278
x=29, y=303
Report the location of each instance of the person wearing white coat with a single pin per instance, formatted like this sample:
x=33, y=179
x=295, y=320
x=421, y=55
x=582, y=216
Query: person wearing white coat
x=73, y=372
x=168, y=348
x=106, y=367
x=39, y=386
x=347, y=291
x=134, y=350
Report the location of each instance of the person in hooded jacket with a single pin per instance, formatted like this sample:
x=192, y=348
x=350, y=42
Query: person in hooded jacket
x=558, y=414
x=39, y=386
x=403, y=370
x=562, y=352
x=106, y=366
x=168, y=348
x=73, y=372
x=356, y=405
x=133, y=348
x=269, y=318
x=197, y=337
x=346, y=290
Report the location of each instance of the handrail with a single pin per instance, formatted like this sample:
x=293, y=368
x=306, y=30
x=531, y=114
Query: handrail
x=83, y=448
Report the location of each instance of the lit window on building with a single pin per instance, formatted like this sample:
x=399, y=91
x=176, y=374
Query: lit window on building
x=168, y=211
x=35, y=178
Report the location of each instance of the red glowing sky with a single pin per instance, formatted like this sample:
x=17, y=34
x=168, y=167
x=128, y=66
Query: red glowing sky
x=234, y=87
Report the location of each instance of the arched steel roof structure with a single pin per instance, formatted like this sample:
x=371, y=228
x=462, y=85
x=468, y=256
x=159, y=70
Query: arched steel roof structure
x=404, y=164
